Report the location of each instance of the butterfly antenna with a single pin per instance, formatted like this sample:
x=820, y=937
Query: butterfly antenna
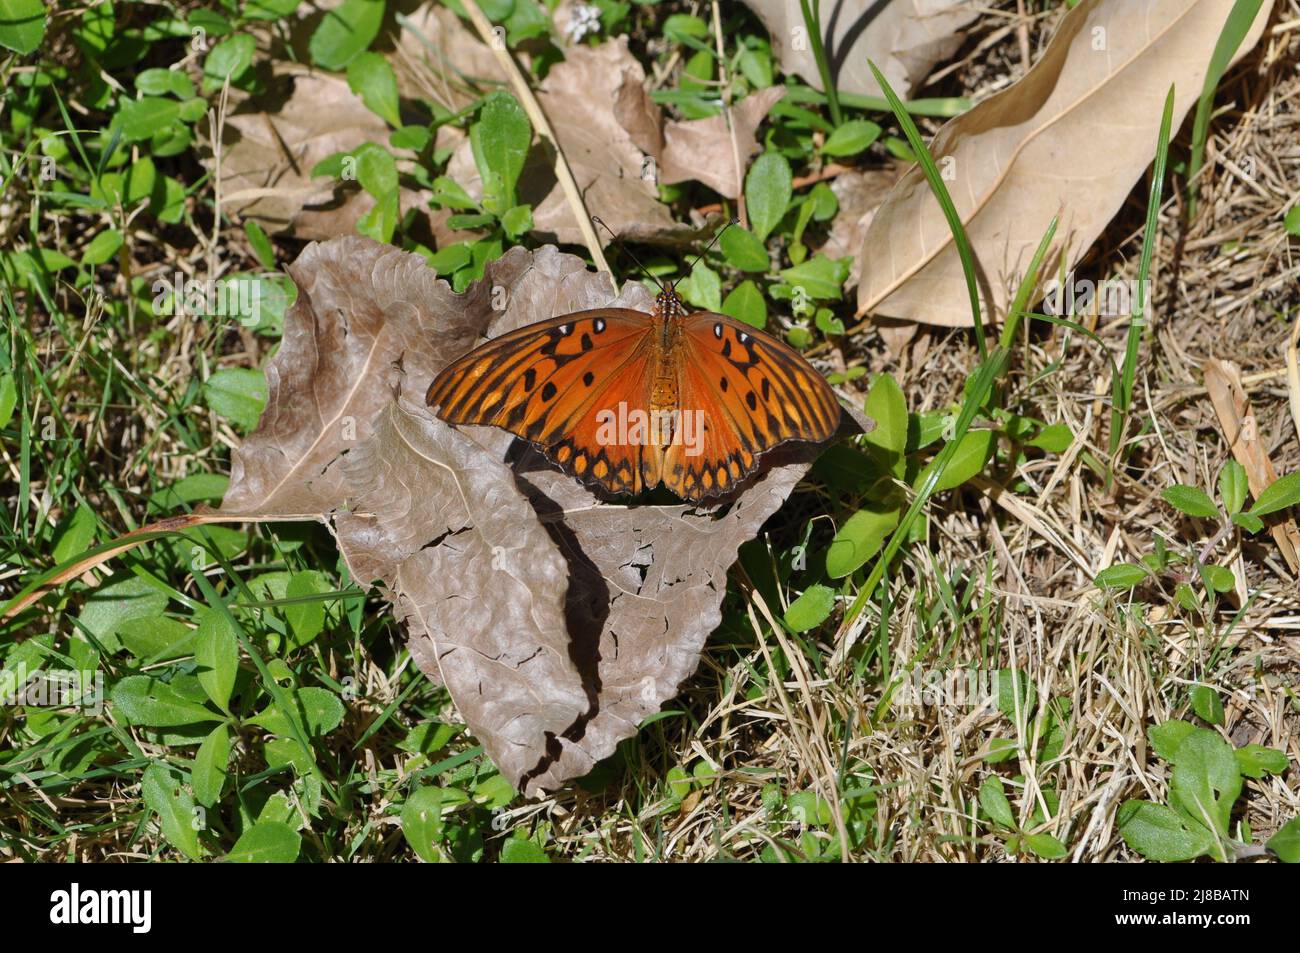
x=713, y=241
x=623, y=245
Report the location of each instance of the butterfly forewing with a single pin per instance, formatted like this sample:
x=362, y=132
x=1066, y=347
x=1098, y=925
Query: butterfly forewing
x=750, y=393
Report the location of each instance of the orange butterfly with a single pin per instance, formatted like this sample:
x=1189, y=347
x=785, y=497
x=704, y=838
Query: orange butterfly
x=627, y=400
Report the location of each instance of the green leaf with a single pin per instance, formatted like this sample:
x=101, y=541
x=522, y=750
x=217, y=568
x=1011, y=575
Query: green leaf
x=8, y=401
x=266, y=842
x=746, y=303
x=702, y=287
x=422, y=822
x=821, y=278
x=376, y=169
x=306, y=619
x=217, y=653
x=22, y=25
x=969, y=459
x=414, y=138
x=230, y=58
x=499, y=141
x=1190, y=500
x=1159, y=833
x=144, y=700
x=371, y=78
x=518, y=851
x=1278, y=495
x=1046, y=846
x=517, y=222
x=74, y=534
x=261, y=244
x=174, y=807
x=1120, y=576
x=887, y=406
x=861, y=537
x=851, y=138
x=1055, y=438
x=269, y=9
x=1167, y=736
x=1286, y=842
x=142, y=118
x=238, y=394
x=1206, y=703
x=160, y=637
x=1218, y=578
x=811, y=609
x=126, y=597
x=345, y=32
x=1206, y=780
x=743, y=250
x=1256, y=761
x=381, y=221
x=1247, y=522
x=1291, y=222
x=993, y=800
x=768, y=189
x=1233, y=486
x=102, y=247
x=210, y=766
x=319, y=709
x=163, y=82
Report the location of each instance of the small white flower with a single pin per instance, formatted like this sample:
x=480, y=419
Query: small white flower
x=584, y=19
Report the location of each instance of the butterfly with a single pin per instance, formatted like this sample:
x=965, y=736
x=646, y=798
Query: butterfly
x=626, y=400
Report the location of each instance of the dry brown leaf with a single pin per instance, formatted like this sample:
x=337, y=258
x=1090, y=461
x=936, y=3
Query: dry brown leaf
x=1223, y=382
x=556, y=622
x=859, y=194
x=1047, y=145
x=701, y=149
x=438, y=57
x=271, y=143
x=904, y=38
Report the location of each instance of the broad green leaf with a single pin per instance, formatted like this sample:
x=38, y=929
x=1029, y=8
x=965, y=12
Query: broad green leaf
x=318, y=708
x=768, y=188
x=75, y=534
x=260, y=243
x=1206, y=780
x=499, y=141
x=993, y=800
x=238, y=394
x=887, y=406
x=1233, y=486
x=517, y=851
x=819, y=278
x=1121, y=576
x=174, y=807
x=746, y=303
x=422, y=822
x=229, y=58
x=1190, y=500
x=345, y=32
x=376, y=169
x=702, y=288
x=1206, y=703
x=126, y=597
x=969, y=459
x=8, y=398
x=1046, y=846
x=163, y=82
x=269, y=9
x=743, y=250
x=1278, y=495
x=1054, y=438
x=1218, y=578
x=144, y=700
x=851, y=138
x=102, y=247
x=811, y=609
x=1167, y=736
x=1286, y=842
x=156, y=637
x=306, y=619
x=1161, y=834
x=22, y=25
x=371, y=78
x=517, y=221
x=1256, y=761
x=217, y=653
x=861, y=537
x=211, y=762
x=142, y=118
x=1248, y=522
x=266, y=842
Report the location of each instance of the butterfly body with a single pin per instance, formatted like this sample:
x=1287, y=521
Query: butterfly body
x=626, y=400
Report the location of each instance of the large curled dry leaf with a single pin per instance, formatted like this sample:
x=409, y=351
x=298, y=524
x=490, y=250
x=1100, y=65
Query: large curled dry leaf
x=556, y=622
x=904, y=38
x=1071, y=138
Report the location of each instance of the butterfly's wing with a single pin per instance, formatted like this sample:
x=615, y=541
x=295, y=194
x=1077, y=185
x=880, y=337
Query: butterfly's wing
x=749, y=393
x=548, y=384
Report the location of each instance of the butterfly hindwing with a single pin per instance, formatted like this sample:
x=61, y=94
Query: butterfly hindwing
x=754, y=393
